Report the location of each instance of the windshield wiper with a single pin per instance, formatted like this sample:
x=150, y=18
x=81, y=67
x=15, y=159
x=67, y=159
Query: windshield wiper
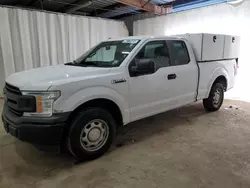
x=86, y=63
x=90, y=63
x=71, y=63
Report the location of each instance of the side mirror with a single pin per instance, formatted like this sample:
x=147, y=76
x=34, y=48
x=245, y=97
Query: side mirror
x=143, y=66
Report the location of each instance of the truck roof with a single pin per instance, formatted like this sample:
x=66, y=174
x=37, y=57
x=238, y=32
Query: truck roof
x=145, y=37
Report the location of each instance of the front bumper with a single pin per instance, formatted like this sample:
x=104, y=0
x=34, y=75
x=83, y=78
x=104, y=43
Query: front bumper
x=41, y=131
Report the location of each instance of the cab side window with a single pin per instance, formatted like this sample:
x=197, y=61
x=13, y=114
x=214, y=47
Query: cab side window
x=157, y=51
x=179, y=52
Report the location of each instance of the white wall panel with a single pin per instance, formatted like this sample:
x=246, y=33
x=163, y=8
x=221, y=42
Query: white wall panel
x=26, y=40
x=30, y=39
x=43, y=38
x=217, y=18
x=2, y=74
x=221, y=18
x=6, y=43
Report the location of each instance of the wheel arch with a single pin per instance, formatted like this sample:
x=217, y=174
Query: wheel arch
x=219, y=76
x=70, y=102
x=103, y=103
x=221, y=79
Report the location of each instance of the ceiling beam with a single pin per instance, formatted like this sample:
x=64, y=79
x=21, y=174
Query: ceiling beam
x=106, y=9
x=78, y=4
x=147, y=6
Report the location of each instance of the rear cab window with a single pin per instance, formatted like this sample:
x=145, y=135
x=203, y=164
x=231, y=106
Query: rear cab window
x=178, y=52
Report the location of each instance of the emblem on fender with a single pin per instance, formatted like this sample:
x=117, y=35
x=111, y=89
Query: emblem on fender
x=117, y=81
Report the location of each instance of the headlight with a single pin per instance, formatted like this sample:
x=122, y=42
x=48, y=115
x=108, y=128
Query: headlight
x=44, y=103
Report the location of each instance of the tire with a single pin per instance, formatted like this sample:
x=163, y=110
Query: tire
x=91, y=134
x=215, y=99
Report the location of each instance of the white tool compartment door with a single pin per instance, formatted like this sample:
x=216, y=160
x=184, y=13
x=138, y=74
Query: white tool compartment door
x=232, y=47
x=213, y=47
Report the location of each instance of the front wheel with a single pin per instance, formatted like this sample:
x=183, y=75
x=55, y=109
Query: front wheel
x=215, y=99
x=91, y=134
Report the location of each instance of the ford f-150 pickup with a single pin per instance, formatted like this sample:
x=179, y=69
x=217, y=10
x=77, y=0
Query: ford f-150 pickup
x=83, y=103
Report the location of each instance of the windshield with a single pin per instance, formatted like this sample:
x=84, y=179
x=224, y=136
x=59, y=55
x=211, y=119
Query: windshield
x=107, y=54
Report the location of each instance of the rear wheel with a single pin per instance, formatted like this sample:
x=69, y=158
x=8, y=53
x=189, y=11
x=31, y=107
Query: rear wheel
x=215, y=99
x=91, y=134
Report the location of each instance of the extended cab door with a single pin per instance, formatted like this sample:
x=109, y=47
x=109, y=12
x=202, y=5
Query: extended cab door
x=183, y=88
x=172, y=84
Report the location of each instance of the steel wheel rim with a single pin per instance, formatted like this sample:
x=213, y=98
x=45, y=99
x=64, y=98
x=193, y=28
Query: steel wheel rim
x=217, y=98
x=94, y=135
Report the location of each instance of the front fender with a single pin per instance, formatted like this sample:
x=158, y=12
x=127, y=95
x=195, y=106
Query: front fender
x=98, y=92
x=216, y=73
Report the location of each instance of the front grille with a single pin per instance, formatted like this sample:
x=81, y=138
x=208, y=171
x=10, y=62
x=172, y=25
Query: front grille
x=18, y=113
x=12, y=89
x=13, y=94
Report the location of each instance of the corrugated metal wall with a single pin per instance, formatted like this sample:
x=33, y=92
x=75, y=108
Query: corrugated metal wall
x=30, y=39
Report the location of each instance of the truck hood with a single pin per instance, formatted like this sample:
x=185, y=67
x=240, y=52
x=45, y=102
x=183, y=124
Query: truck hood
x=43, y=78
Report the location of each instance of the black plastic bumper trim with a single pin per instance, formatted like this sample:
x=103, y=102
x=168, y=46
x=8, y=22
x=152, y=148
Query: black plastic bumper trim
x=43, y=131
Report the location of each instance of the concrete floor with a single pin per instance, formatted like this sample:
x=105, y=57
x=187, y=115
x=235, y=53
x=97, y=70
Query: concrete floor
x=186, y=147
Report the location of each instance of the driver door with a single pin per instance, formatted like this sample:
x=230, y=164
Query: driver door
x=148, y=92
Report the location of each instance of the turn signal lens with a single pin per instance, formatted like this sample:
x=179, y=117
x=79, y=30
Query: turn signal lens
x=39, y=107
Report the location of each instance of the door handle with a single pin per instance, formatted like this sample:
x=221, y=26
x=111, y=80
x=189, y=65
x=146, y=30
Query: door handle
x=171, y=76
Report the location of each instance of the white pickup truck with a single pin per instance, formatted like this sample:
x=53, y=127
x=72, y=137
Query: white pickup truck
x=83, y=103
